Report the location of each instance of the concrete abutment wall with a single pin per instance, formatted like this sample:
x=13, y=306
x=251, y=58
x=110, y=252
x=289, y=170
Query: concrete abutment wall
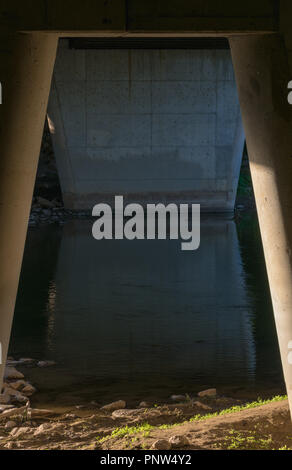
x=152, y=125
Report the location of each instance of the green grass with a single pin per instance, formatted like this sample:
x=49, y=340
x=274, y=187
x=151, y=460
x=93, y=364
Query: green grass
x=245, y=441
x=146, y=427
x=235, y=409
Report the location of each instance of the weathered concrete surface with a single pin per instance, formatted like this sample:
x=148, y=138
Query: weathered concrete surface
x=152, y=125
x=262, y=74
x=27, y=63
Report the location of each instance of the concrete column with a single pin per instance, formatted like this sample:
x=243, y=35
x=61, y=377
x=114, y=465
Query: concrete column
x=26, y=68
x=261, y=71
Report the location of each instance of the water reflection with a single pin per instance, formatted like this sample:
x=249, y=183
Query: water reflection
x=135, y=318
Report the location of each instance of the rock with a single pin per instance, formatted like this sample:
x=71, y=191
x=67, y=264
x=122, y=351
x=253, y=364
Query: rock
x=42, y=428
x=5, y=407
x=202, y=405
x=40, y=413
x=161, y=444
x=29, y=390
x=94, y=403
x=44, y=202
x=12, y=363
x=5, y=386
x=178, y=397
x=178, y=441
x=13, y=412
x=16, y=395
x=9, y=445
x=4, y=398
x=11, y=373
x=144, y=404
x=210, y=392
x=126, y=413
x=10, y=425
x=18, y=385
x=116, y=405
x=70, y=416
x=16, y=432
x=26, y=360
x=45, y=363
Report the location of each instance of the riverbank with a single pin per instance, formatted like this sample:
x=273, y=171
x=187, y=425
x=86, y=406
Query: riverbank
x=207, y=420
x=197, y=425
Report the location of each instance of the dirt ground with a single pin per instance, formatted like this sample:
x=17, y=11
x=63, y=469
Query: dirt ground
x=262, y=427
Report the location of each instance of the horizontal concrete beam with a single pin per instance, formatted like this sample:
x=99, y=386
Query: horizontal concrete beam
x=72, y=17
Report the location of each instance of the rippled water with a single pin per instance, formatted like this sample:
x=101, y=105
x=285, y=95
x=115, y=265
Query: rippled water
x=139, y=319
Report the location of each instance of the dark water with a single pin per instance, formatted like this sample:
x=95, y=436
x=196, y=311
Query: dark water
x=143, y=319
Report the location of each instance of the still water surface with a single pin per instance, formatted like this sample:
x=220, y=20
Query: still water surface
x=143, y=319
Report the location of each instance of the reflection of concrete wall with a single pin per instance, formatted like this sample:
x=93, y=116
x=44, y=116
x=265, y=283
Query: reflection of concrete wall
x=141, y=309
x=150, y=124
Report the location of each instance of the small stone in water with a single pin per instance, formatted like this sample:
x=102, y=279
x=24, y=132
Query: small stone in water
x=178, y=398
x=45, y=363
x=143, y=404
x=210, y=392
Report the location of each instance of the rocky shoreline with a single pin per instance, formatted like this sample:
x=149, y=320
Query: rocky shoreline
x=44, y=211
x=16, y=389
x=205, y=420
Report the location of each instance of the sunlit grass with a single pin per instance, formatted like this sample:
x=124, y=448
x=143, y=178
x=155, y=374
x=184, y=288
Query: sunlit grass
x=145, y=428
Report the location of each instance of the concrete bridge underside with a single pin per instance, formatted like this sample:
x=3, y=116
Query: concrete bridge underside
x=260, y=41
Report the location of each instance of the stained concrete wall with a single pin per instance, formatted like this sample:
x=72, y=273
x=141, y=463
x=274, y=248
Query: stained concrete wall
x=153, y=125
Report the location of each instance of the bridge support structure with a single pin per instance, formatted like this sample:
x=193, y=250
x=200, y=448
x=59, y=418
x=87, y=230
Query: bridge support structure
x=27, y=61
x=262, y=74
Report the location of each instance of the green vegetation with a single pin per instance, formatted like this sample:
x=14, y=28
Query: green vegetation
x=235, y=409
x=247, y=440
x=244, y=183
x=145, y=428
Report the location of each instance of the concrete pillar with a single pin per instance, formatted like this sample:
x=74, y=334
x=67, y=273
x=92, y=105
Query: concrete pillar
x=26, y=68
x=261, y=71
